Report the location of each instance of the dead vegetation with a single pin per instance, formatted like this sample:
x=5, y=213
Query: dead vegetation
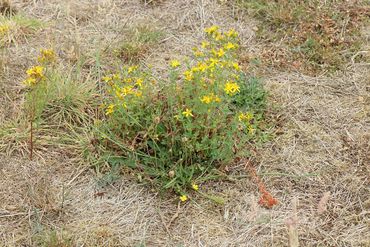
x=309, y=36
x=321, y=147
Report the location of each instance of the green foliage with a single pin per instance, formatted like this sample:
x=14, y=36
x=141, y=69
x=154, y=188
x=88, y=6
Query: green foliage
x=15, y=27
x=175, y=132
x=137, y=43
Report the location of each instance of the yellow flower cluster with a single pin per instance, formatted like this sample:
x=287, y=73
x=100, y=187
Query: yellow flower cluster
x=34, y=75
x=187, y=113
x=231, y=88
x=246, y=119
x=4, y=29
x=125, y=88
x=210, y=98
x=46, y=56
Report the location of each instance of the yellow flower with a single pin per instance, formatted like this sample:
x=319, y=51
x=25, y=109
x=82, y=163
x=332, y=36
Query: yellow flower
x=188, y=75
x=132, y=69
x=175, y=63
x=204, y=44
x=216, y=99
x=139, y=94
x=236, y=66
x=229, y=46
x=195, y=187
x=231, y=88
x=198, y=54
x=139, y=82
x=110, y=109
x=218, y=36
x=46, y=56
x=36, y=72
x=211, y=29
x=183, y=198
x=187, y=113
x=107, y=79
x=116, y=77
x=232, y=33
x=206, y=99
x=30, y=82
x=127, y=90
x=4, y=28
x=251, y=130
x=220, y=52
x=248, y=116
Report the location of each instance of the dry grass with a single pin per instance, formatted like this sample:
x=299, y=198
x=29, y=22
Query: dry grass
x=322, y=145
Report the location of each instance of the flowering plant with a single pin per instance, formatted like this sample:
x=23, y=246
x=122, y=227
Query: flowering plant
x=176, y=131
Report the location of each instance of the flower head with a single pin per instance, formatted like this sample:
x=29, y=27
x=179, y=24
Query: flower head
x=183, y=198
x=229, y=46
x=188, y=75
x=30, y=82
x=195, y=187
x=4, y=28
x=175, y=63
x=231, y=88
x=204, y=44
x=212, y=29
x=46, y=56
x=110, y=109
x=187, y=113
x=232, y=33
x=36, y=72
x=132, y=69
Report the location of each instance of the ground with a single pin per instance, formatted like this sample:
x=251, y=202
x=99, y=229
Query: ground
x=317, y=165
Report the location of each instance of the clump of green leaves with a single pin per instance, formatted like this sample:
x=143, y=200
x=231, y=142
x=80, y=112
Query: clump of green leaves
x=16, y=27
x=137, y=43
x=309, y=35
x=175, y=132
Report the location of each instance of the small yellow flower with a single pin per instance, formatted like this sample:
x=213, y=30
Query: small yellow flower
x=132, y=69
x=46, y=56
x=107, y=79
x=110, y=109
x=139, y=82
x=211, y=29
x=175, y=63
x=245, y=117
x=232, y=33
x=116, y=77
x=198, y=54
x=183, y=198
x=204, y=44
x=187, y=113
x=139, y=94
x=229, y=46
x=218, y=36
x=188, y=75
x=231, y=88
x=195, y=187
x=216, y=99
x=127, y=90
x=251, y=130
x=220, y=52
x=36, y=72
x=4, y=29
x=236, y=66
x=30, y=82
x=206, y=99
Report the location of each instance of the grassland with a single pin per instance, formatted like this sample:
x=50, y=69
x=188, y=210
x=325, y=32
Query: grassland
x=317, y=164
